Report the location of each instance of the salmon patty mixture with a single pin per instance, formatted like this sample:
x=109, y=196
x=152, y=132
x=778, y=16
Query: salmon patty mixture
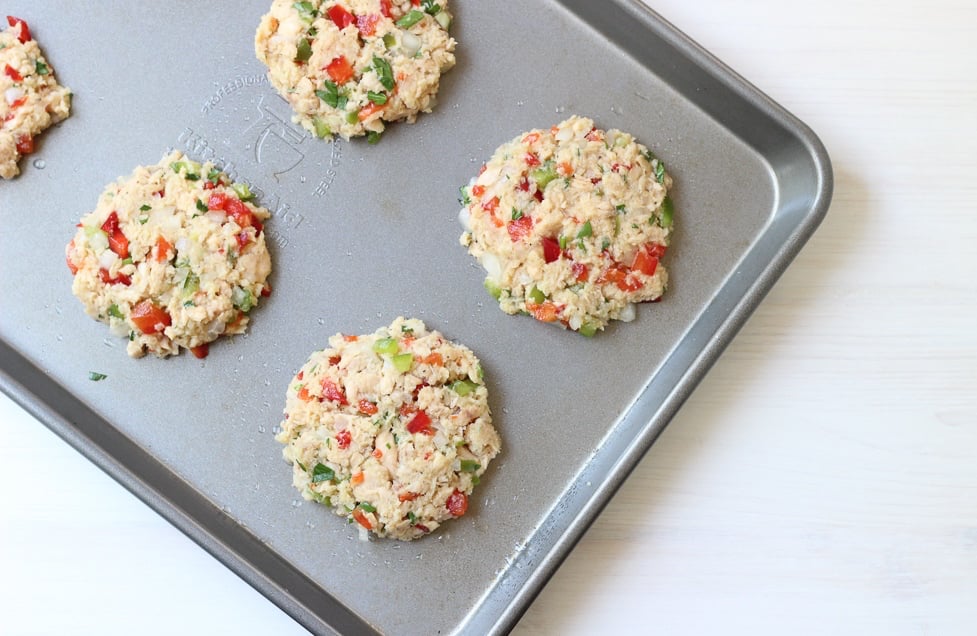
x=570, y=225
x=348, y=67
x=32, y=98
x=172, y=256
x=391, y=430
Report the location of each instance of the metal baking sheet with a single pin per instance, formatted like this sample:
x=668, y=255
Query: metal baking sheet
x=362, y=234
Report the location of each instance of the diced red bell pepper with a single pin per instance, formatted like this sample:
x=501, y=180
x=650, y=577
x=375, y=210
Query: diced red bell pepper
x=457, y=503
x=420, y=423
x=118, y=279
x=551, y=249
x=531, y=159
x=340, y=16
x=12, y=73
x=118, y=242
x=357, y=478
x=149, y=318
x=580, y=272
x=243, y=238
x=163, y=249
x=478, y=190
x=367, y=407
x=520, y=228
x=385, y=8
x=25, y=32
x=333, y=393
x=620, y=276
x=656, y=249
x=361, y=518
x=25, y=145
x=344, y=438
x=303, y=394
x=644, y=262
x=367, y=24
x=234, y=208
x=200, y=351
x=530, y=138
x=544, y=312
x=369, y=110
x=13, y=108
x=67, y=257
x=340, y=70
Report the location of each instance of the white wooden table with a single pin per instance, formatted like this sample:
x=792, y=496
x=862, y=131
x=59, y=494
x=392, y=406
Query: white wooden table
x=822, y=479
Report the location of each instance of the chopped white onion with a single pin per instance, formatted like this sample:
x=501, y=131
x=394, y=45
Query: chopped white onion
x=443, y=19
x=411, y=43
x=492, y=266
x=465, y=219
x=364, y=534
x=575, y=322
x=107, y=259
x=628, y=313
x=215, y=328
x=217, y=216
x=564, y=134
x=99, y=241
x=182, y=244
x=13, y=94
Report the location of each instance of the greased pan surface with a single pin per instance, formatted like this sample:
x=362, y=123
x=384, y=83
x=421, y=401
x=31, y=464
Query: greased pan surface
x=362, y=234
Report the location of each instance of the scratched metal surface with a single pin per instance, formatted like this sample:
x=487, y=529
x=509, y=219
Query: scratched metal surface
x=362, y=234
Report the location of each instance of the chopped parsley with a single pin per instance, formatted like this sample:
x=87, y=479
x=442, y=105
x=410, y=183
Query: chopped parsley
x=469, y=465
x=377, y=98
x=365, y=507
x=41, y=68
x=322, y=473
x=303, y=51
x=372, y=137
x=410, y=19
x=384, y=71
x=465, y=199
x=306, y=11
x=145, y=208
x=95, y=376
x=430, y=7
x=332, y=95
x=115, y=312
x=585, y=231
x=516, y=214
x=201, y=206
